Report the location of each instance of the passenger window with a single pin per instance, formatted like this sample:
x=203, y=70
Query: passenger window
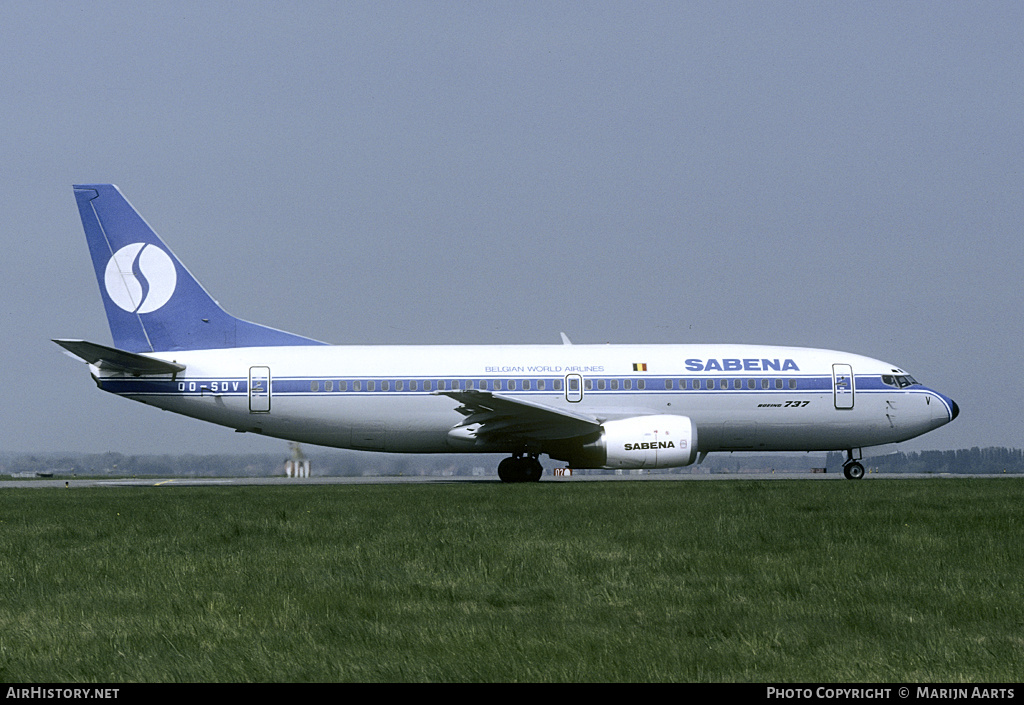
x=764, y=384
x=371, y=386
x=792, y=384
x=342, y=386
x=615, y=385
x=314, y=386
x=778, y=384
x=511, y=385
x=588, y=384
x=600, y=385
x=750, y=384
x=540, y=384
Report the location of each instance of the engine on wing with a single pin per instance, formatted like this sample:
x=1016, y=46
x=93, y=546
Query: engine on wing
x=642, y=442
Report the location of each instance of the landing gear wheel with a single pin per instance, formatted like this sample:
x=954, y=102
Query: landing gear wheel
x=853, y=470
x=507, y=470
x=533, y=469
x=520, y=469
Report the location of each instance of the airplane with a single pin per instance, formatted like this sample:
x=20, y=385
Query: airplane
x=591, y=406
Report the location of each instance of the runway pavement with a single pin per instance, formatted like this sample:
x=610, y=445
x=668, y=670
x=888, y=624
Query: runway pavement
x=171, y=482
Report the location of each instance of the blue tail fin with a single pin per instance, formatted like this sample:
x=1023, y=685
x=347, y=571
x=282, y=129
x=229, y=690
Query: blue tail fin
x=153, y=303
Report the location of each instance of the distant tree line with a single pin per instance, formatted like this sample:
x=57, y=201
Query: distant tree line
x=354, y=463
x=979, y=461
x=328, y=462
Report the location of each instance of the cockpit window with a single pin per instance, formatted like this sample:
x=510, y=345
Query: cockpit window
x=900, y=381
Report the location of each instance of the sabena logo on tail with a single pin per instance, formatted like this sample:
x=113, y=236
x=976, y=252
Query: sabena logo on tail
x=140, y=278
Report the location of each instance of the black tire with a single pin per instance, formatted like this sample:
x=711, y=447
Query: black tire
x=507, y=470
x=853, y=471
x=534, y=469
x=522, y=469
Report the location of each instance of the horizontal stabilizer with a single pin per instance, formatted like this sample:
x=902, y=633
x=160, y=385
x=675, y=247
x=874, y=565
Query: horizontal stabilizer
x=118, y=360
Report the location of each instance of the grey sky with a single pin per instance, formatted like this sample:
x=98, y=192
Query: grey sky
x=840, y=175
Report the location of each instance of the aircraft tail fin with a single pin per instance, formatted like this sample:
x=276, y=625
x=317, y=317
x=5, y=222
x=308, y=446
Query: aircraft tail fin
x=152, y=302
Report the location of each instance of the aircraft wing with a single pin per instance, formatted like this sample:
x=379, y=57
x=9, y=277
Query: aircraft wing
x=118, y=360
x=494, y=417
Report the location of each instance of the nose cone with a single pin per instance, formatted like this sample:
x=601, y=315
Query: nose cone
x=951, y=407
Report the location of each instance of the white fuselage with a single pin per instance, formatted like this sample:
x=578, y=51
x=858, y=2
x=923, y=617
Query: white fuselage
x=387, y=398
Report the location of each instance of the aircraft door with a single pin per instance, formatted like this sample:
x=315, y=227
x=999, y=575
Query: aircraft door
x=843, y=386
x=573, y=388
x=259, y=390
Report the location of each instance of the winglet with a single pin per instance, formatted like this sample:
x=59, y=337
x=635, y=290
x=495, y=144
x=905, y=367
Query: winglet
x=565, y=339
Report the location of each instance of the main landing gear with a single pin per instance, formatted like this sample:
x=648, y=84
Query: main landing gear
x=852, y=469
x=520, y=468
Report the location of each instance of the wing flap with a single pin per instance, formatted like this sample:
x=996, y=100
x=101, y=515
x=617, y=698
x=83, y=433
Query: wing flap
x=493, y=417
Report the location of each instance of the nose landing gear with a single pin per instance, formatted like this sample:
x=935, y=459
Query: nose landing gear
x=852, y=469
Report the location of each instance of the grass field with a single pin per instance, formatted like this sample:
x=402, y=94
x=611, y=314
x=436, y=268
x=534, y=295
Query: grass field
x=895, y=581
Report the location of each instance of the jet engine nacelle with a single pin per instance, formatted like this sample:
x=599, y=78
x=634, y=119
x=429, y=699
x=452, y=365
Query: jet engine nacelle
x=643, y=442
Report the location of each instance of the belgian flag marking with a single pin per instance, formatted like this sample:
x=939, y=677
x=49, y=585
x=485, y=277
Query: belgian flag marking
x=639, y=366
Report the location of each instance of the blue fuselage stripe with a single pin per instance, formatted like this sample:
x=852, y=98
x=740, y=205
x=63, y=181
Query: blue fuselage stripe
x=379, y=385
